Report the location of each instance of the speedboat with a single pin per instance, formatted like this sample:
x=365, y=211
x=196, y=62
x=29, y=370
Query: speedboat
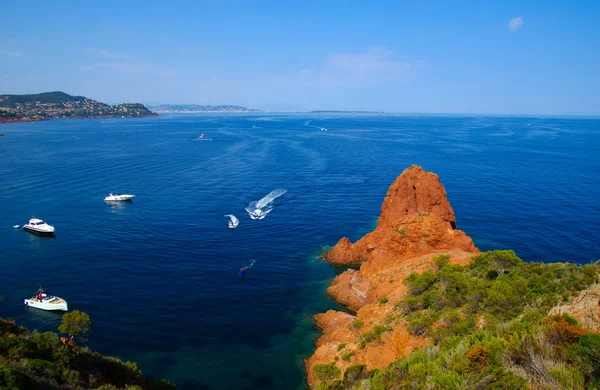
x=38, y=226
x=44, y=301
x=257, y=214
x=119, y=197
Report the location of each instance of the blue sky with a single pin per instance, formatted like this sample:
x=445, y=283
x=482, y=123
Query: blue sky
x=495, y=57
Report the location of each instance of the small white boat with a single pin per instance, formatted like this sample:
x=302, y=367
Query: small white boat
x=44, y=301
x=119, y=197
x=202, y=137
x=233, y=221
x=16, y=226
x=38, y=226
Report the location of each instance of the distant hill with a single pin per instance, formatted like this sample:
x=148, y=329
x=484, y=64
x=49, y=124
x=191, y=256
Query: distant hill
x=191, y=108
x=51, y=105
x=345, y=112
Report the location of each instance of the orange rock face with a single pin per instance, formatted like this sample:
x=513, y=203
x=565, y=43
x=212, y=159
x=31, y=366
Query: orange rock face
x=585, y=307
x=416, y=224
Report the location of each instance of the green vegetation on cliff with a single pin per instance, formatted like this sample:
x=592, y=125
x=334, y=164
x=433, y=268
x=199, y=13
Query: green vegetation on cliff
x=490, y=329
x=32, y=360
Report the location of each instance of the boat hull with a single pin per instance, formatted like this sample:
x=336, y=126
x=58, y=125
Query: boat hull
x=46, y=306
x=36, y=231
x=126, y=198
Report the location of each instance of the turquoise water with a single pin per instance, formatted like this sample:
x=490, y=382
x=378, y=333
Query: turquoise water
x=159, y=276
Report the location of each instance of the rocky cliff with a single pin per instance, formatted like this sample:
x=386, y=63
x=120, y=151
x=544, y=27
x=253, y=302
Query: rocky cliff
x=416, y=224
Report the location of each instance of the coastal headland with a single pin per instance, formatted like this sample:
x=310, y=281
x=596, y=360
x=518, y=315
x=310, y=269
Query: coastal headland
x=54, y=105
x=422, y=282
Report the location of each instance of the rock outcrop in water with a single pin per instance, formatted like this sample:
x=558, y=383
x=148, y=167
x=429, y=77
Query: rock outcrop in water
x=416, y=224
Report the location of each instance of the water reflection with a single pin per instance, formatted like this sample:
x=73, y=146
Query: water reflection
x=117, y=207
x=36, y=240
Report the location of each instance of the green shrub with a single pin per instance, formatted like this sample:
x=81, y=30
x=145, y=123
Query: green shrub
x=133, y=367
x=401, y=231
x=411, y=304
x=441, y=260
x=341, y=346
x=383, y=300
x=419, y=283
x=586, y=354
x=76, y=324
x=355, y=374
x=346, y=357
x=11, y=379
x=356, y=324
x=326, y=372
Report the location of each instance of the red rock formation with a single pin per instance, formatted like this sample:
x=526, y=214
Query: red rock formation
x=416, y=218
x=416, y=224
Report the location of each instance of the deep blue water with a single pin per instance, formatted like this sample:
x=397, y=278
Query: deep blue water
x=159, y=276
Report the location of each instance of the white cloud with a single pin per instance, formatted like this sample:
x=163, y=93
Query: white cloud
x=107, y=54
x=515, y=23
x=11, y=53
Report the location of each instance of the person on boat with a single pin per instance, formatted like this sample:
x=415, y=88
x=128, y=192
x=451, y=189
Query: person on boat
x=242, y=272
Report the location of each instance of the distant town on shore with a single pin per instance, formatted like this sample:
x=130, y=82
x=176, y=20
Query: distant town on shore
x=53, y=105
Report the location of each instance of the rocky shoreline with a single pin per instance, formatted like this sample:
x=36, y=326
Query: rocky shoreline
x=416, y=224
x=416, y=231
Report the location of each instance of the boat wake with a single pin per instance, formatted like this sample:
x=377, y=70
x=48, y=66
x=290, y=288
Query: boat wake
x=247, y=267
x=233, y=221
x=307, y=124
x=259, y=209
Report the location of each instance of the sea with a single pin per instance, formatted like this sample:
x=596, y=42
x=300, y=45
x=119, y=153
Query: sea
x=159, y=276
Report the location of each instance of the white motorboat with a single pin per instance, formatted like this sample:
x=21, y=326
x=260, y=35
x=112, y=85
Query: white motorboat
x=38, y=226
x=16, y=226
x=44, y=301
x=257, y=213
x=233, y=221
x=119, y=197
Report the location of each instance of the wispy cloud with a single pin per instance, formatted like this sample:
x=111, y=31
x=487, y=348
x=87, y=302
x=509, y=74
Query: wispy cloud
x=515, y=23
x=341, y=77
x=11, y=53
x=131, y=67
x=107, y=54
x=375, y=66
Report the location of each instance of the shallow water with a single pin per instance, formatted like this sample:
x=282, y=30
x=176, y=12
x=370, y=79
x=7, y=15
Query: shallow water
x=159, y=276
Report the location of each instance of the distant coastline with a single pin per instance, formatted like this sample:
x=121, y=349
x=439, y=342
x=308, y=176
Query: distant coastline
x=196, y=108
x=54, y=105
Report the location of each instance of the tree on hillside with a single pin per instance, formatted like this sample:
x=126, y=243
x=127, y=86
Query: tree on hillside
x=76, y=324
